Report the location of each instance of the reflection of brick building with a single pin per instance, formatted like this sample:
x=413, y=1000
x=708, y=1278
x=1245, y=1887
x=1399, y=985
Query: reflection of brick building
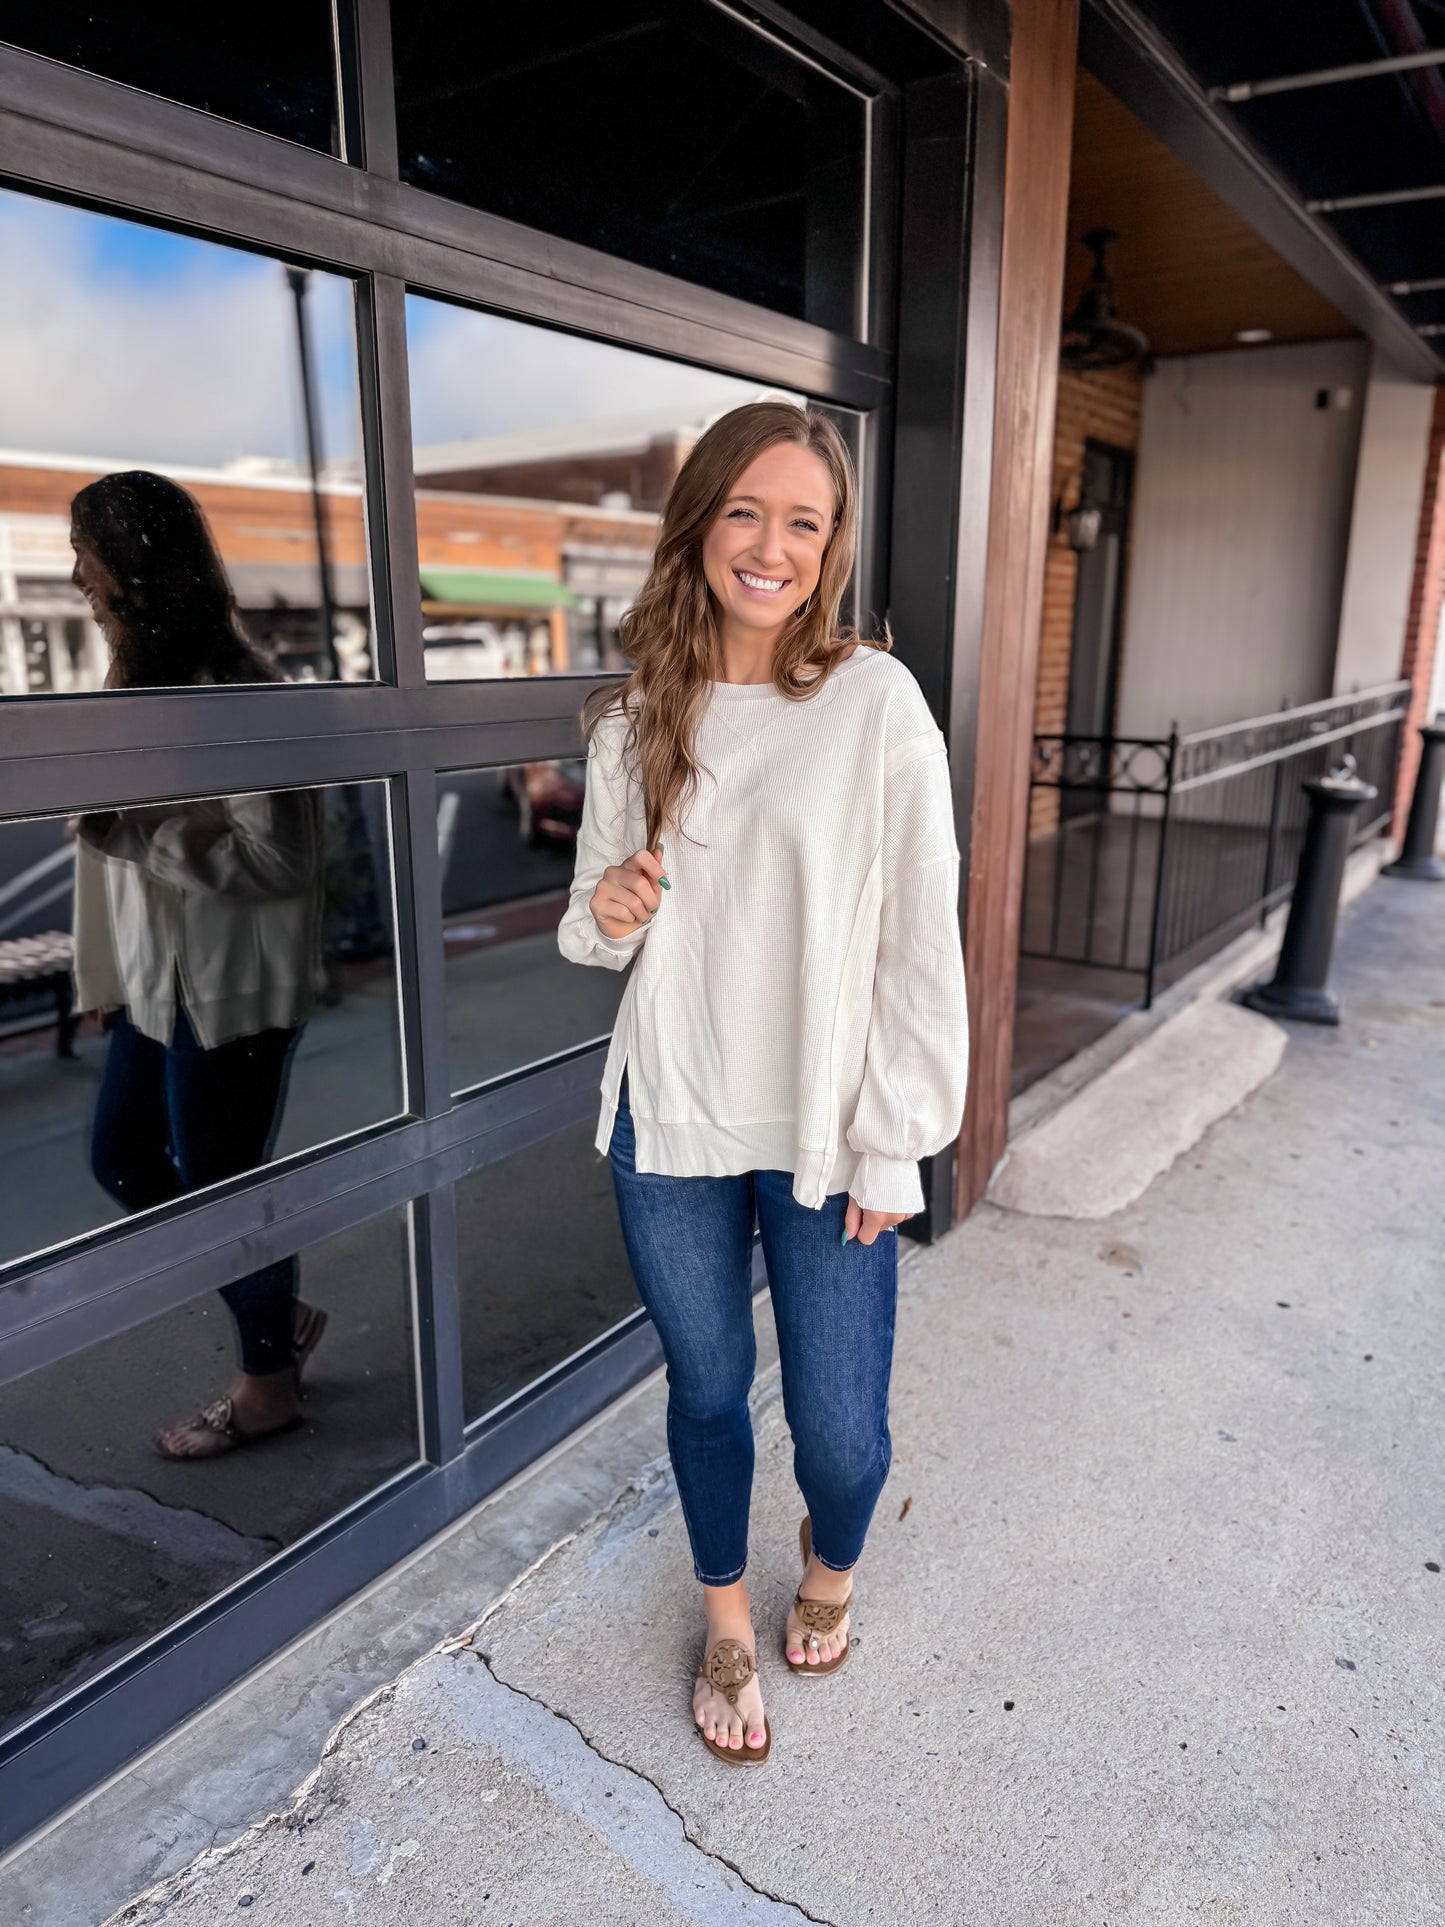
x=637, y=457
x=509, y=586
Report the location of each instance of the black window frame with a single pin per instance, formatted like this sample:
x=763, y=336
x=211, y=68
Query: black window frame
x=921, y=379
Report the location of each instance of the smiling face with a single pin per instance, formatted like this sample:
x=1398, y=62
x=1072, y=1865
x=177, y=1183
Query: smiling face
x=763, y=554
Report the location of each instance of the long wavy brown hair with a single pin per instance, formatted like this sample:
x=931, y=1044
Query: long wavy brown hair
x=173, y=618
x=670, y=633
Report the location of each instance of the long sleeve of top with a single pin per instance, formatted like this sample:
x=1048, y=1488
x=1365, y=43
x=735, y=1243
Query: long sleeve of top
x=610, y=814
x=255, y=847
x=215, y=905
x=797, y=1001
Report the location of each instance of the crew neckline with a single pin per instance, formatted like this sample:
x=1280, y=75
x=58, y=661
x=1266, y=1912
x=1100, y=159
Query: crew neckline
x=734, y=692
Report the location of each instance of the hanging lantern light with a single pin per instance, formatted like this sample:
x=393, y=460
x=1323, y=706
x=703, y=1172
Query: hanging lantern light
x=1093, y=335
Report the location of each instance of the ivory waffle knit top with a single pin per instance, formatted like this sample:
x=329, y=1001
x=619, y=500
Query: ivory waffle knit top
x=797, y=1002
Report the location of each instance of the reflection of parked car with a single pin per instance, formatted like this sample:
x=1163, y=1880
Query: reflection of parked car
x=548, y=797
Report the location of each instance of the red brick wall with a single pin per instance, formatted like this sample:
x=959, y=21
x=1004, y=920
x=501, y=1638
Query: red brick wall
x=1101, y=406
x=1418, y=660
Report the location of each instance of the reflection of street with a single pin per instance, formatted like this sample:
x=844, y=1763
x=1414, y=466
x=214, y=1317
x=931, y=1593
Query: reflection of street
x=117, y=1541
x=343, y=1079
x=111, y=1542
x=486, y=852
x=114, y=1541
x=35, y=879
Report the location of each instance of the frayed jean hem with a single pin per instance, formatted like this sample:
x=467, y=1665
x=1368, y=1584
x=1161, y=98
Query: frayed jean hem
x=731, y=1578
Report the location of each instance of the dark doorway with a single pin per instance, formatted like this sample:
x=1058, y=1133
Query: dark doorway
x=1098, y=604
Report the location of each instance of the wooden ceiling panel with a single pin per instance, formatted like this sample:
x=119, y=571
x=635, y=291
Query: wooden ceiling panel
x=1186, y=268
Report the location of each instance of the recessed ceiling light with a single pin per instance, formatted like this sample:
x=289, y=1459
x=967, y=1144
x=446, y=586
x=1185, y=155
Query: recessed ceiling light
x=1249, y=337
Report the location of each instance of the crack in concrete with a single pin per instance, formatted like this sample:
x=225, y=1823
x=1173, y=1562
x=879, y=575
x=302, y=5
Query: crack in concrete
x=625, y=1766
x=188, y=1534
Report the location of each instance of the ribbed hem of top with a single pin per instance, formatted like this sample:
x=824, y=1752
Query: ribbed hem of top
x=730, y=1150
x=278, y=1007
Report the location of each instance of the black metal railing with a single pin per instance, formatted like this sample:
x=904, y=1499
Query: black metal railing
x=1167, y=848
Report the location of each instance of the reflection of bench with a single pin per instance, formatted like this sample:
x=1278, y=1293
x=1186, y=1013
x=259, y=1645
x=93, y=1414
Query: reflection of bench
x=30, y=966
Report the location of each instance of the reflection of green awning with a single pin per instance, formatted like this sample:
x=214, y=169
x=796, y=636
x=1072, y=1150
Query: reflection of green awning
x=495, y=589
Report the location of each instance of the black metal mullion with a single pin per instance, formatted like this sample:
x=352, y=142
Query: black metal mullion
x=389, y=402
x=421, y=956
x=174, y=721
x=880, y=295
x=436, y=1306
x=87, y=139
x=368, y=97
x=384, y=568
x=950, y=233
x=59, y=782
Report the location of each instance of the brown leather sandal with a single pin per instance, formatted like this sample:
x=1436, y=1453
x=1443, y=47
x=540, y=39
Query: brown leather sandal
x=817, y=1617
x=728, y=1667
x=310, y=1323
x=217, y=1422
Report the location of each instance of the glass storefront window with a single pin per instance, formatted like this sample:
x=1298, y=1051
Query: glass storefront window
x=109, y=1541
x=162, y=519
x=508, y=844
x=269, y=65
x=542, y=462
x=674, y=137
x=187, y=991
x=537, y=1283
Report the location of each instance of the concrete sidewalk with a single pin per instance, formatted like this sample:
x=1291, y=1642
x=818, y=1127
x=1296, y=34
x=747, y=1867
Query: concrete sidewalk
x=1151, y=1627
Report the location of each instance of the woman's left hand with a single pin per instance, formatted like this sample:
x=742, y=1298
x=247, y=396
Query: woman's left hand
x=864, y=1226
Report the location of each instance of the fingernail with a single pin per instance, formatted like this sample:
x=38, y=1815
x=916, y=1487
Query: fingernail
x=844, y=1239
x=664, y=882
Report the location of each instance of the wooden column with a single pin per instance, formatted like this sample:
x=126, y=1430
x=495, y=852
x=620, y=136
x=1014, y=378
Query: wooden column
x=1417, y=665
x=1036, y=193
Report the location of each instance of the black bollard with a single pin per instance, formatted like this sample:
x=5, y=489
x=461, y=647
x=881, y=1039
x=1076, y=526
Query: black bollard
x=1417, y=858
x=1299, y=987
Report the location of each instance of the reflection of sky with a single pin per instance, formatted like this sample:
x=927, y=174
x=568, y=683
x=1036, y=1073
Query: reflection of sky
x=140, y=345
x=137, y=345
x=480, y=374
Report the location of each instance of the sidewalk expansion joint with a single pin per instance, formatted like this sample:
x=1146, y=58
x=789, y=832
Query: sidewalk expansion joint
x=625, y=1766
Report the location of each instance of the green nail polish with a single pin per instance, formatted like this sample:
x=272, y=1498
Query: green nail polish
x=844, y=1239
x=664, y=882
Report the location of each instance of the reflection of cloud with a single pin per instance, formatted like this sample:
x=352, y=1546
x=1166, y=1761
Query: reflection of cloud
x=133, y=344
x=125, y=342
x=478, y=374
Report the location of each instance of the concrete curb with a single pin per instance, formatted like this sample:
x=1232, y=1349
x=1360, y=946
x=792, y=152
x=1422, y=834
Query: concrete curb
x=1090, y=1139
x=1104, y=1149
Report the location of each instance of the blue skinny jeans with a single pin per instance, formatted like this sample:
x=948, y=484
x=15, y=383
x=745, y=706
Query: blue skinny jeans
x=171, y=1118
x=690, y=1245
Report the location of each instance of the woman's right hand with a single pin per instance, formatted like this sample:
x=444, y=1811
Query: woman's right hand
x=628, y=893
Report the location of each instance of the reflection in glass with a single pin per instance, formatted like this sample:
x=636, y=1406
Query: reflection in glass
x=675, y=137
x=537, y=1283
x=223, y=992
x=126, y=349
x=107, y=1542
x=542, y=462
x=508, y=839
x=269, y=65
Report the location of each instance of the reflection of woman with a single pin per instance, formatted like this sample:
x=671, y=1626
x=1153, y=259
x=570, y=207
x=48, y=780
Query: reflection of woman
x=197, y=932
x=794, y=1034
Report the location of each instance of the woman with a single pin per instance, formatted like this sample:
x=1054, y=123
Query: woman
x=794, y=1036
x=197, y=935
